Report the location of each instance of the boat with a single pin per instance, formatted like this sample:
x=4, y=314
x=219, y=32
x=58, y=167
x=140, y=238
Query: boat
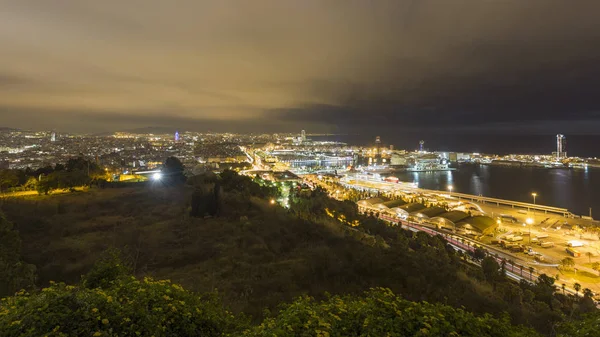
x=428, y=167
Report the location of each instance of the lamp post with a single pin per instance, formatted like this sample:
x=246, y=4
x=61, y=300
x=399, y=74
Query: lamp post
x=533, y=195
x=529, y=222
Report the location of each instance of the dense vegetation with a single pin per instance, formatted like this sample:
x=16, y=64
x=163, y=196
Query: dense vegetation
x=222, y=232
x=110, y=302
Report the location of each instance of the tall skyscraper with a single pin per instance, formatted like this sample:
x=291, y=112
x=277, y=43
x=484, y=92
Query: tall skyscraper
x=176, y=136
x=561, y=146
x=303, y=135
x=53, y=137
x=421, y=143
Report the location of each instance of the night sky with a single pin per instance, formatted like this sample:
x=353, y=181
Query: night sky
x=480, y=66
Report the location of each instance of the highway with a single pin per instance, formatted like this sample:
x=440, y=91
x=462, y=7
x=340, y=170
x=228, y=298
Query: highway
x=513, y=270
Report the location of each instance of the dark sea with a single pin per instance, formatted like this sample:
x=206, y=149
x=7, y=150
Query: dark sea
x=574, y=189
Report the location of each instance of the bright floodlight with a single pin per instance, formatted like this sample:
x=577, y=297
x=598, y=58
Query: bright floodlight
x=157, y=176
x=529, y=221
x=272, y=201
x=534, y=194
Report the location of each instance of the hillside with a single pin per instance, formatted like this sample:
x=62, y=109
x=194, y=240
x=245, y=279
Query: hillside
x=256, y=254
x=260, y=255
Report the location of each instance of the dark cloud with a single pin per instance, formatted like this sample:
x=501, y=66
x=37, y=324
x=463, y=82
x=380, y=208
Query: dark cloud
x=418, y=66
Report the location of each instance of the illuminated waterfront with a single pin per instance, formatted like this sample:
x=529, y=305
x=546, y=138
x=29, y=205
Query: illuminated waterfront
x=574, y=189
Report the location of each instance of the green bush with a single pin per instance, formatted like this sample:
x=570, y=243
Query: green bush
x=128, y=308
x=380, y=313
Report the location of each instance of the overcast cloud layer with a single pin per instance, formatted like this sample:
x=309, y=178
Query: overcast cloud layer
x=277, y=65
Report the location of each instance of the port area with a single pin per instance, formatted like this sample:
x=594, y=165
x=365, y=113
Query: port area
x=528, y=234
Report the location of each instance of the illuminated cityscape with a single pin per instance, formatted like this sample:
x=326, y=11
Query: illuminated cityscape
x=299, y=168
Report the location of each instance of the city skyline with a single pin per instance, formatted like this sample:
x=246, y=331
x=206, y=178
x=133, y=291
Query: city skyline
x=270, y=66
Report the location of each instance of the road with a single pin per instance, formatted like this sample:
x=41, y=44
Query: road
x=513, y=270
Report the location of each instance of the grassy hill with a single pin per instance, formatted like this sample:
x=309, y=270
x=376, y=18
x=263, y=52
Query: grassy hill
x=257, y=254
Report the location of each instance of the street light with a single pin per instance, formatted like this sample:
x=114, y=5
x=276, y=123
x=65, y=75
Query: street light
x=529, y=221
x=533, y=195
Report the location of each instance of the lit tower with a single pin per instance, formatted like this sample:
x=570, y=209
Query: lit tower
x=561, y=146
x=377, y=140
x=53, y=137
x=421, y=143
x=303, y=135
x=176, y=136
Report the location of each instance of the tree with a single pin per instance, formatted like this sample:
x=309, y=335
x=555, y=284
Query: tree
x=173, y=169
x=8, y=178
x=31, y=184
x=490, y=269
x=531, y=269
x=479, y=253
x=14, y=273
x=577, y=287
x=596, y=266
x=199, y=205
x=563, y=286
x=567, y=263
x=589, y=255
x=544, y=289
x=587, y=292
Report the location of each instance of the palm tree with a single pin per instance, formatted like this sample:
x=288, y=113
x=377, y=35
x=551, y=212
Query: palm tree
x=531, y=269
x=577, y=287
x=587, y=293
x=563, y=288
x=521, y=267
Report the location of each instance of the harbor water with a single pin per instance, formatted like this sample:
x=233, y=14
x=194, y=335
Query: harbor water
x=575, y=189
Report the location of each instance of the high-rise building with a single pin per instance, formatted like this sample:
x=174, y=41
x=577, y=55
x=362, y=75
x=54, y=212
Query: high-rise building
x=303, y=135
x=561, y=146
x=176, y=136
x=421, y=144
x=53, y=137
x=377, y=140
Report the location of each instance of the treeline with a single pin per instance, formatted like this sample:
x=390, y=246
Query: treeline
x=207, y=198
x=75, y=172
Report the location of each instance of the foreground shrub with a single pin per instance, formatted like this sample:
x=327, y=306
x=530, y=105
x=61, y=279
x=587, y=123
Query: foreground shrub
x=380, y=313
x=128, y=308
